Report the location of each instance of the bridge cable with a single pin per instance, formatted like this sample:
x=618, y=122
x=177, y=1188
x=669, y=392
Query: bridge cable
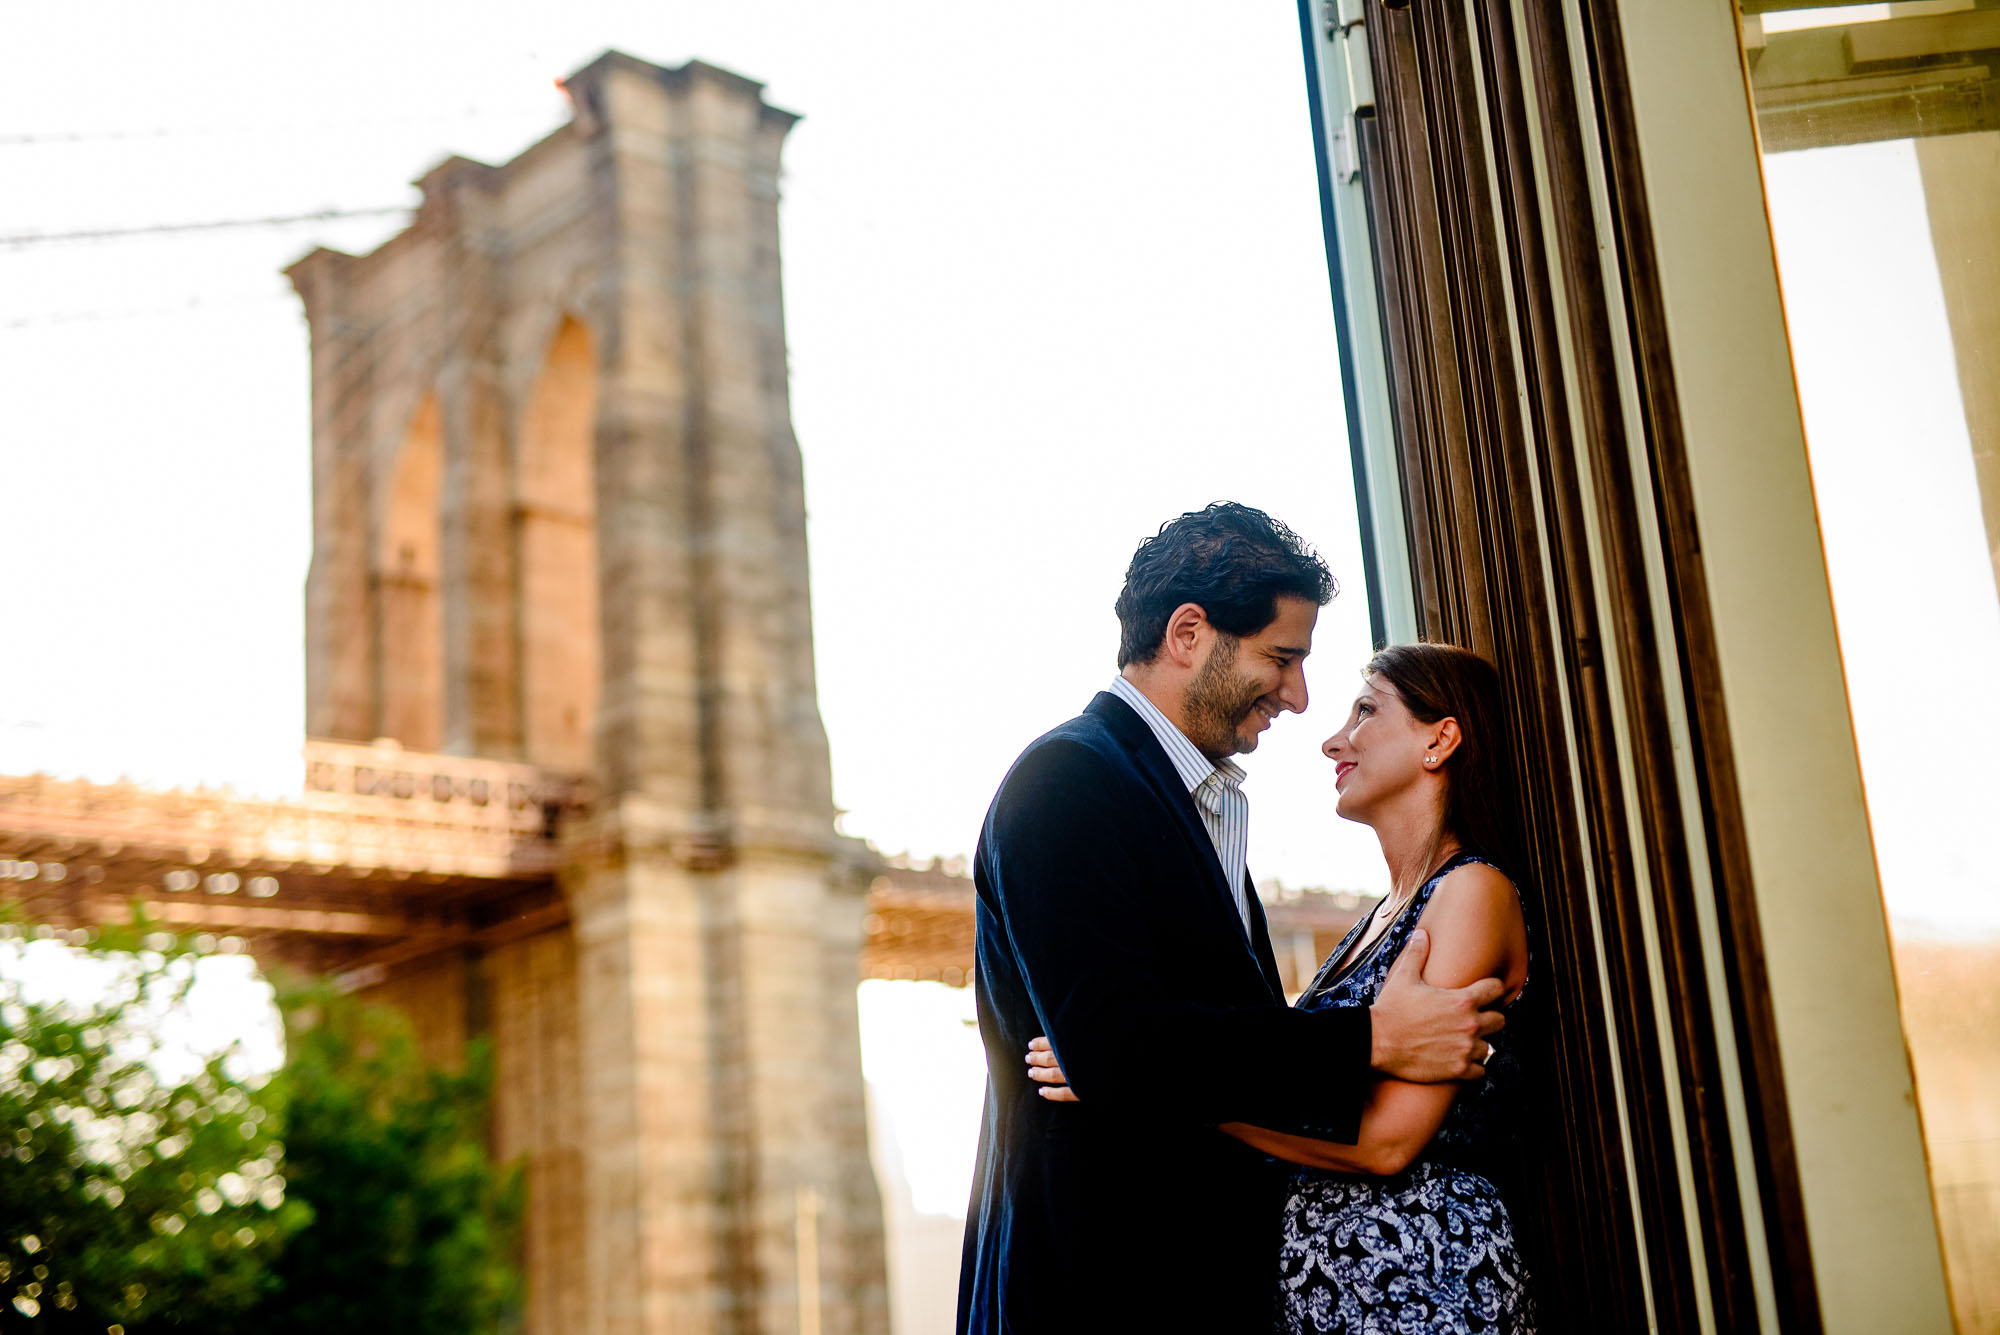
x=23, y=240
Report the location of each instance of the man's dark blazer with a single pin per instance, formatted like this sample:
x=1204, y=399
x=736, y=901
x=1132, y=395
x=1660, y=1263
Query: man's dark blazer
x=1104, y=921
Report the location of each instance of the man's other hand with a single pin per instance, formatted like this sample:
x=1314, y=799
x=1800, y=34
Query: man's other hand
x=1428, y=1034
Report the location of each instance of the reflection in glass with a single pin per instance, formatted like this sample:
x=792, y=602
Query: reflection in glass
x=1880, y=126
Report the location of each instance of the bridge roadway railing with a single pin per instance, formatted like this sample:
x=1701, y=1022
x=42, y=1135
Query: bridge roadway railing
x=365, y=807
x=381, y=844
x=388, y=856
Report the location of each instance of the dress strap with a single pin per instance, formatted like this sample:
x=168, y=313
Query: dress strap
x=1451, y=864
x=1406, y=920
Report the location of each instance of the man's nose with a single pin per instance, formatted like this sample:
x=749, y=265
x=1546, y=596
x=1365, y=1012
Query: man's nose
x=1292, y=691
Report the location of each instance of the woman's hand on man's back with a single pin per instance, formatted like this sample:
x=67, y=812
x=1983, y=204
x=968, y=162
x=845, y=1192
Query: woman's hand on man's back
x=1042, y=1069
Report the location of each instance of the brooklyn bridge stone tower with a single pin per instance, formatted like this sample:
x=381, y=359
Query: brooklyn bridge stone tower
x=559, y=521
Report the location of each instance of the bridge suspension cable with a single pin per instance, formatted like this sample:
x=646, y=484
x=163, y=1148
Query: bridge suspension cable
x=36, y=139
x=24, y=240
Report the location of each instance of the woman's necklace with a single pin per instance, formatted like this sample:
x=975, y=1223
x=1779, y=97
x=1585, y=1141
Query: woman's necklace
x=1393, y=908
x=1385, y=916
x=1386, y=913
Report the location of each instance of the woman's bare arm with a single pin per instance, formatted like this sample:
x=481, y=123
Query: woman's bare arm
x=1474, y=922
x=1475, y=928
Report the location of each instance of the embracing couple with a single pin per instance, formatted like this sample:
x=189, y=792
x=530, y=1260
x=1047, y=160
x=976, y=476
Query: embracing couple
x=1166, y=1144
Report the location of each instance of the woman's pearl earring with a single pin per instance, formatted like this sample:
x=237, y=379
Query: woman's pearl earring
x=1430, y=760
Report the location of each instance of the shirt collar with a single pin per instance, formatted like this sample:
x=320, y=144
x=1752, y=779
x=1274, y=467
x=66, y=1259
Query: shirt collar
x=1194, y=768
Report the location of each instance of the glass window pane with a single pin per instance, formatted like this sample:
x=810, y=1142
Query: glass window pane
x=1880, y=130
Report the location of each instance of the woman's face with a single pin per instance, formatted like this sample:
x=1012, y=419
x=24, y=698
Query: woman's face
x=1379, y=753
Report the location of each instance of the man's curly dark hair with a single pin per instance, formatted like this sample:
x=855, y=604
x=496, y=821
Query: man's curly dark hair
x=1233, y=561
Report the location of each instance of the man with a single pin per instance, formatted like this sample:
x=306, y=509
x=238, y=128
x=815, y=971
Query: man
x=1116, y=916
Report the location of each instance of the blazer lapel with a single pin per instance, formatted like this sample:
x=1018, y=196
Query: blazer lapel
x=1260, y=944
x=1151, y=759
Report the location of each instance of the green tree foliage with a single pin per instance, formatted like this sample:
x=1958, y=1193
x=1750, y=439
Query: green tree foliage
x=413, y=1228
x=352, y=1190
x=126, y=1199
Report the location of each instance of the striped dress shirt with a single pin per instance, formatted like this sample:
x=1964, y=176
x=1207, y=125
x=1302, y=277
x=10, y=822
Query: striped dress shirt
x=1215, y=786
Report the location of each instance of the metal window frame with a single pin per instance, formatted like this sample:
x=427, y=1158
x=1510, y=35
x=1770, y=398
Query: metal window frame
x=1341, y=99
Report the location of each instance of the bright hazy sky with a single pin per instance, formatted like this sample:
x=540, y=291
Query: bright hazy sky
x=1053, y=275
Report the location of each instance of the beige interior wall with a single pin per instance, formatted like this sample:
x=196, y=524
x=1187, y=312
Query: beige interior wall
x=1951, y=1004
x=1951, y=994
x=1961, y=175
x=1860, y=1152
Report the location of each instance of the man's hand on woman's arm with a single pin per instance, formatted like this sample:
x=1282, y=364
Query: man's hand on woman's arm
x=1425, y=1038
x=1421, y=1034
x=1426, y=1034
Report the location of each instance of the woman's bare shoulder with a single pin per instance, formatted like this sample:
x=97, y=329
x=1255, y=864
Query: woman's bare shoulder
x=1477, y=886
x=1474, y=918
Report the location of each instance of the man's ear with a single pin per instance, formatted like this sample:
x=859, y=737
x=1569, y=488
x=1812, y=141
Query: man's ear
x=1444, y=739
x=1187, y=631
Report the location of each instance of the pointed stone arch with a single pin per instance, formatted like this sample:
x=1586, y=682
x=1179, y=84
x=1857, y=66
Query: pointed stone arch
x=555, y=509
x=409, y=656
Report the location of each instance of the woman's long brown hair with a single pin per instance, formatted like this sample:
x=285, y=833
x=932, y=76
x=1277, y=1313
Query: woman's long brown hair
x=1441, y=681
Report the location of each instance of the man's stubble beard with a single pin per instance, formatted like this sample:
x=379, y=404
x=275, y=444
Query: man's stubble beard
x=1217, y=701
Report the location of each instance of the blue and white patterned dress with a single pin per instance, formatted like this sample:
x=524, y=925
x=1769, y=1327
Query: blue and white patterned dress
x=1430, y=1249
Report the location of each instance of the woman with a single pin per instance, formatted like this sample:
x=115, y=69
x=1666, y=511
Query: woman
x=1402, y=1230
